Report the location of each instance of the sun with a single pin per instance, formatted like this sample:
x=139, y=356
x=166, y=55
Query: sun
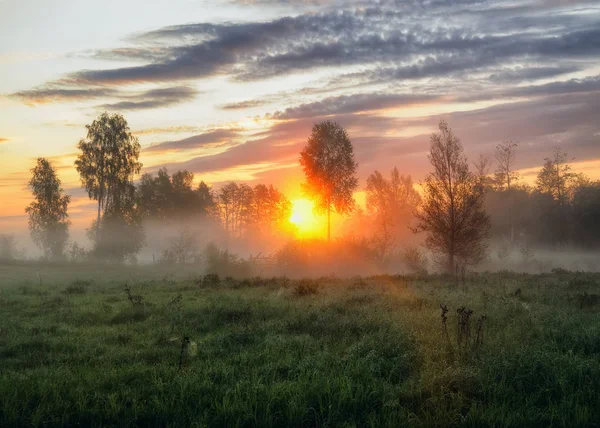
x=302, y=215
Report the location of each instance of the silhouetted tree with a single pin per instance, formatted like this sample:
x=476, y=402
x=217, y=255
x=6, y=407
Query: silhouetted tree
x=555, y=178
x=586, y=215
x=391, y=203
x=122, y=234
x=173, y=198
x=452, y=212
x=505, y=174
x=260, y=209
x=505, y=177
x=482, y=166
x=270, y=210
x=48, y=218
x=107, y=163
x=329, y=167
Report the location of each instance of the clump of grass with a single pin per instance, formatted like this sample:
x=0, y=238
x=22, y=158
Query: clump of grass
x=79, y=286
x=306, y=287
x=209, y=280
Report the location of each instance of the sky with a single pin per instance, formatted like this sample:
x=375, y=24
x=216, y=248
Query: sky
x=230, y=90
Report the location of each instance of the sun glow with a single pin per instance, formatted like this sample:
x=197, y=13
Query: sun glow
x=302, y=215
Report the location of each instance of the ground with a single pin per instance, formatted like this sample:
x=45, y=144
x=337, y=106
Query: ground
x=182, y=349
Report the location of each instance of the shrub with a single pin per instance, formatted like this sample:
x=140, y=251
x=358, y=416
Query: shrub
x=414, y=260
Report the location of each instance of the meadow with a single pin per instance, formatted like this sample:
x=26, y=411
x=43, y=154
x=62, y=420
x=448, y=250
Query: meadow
x=141, y=346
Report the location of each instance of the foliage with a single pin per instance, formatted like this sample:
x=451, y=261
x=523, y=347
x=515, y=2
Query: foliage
x=452, y=213
x=173, y=198
x=121, y=233
x=107, y=162
x=392, y=203
x=48, y=218
x=555, y=177
x=330, y=169
x=262, y=211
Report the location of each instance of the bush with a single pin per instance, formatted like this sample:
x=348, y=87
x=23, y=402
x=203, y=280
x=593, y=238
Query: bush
x=414, y=260
x=8, y=248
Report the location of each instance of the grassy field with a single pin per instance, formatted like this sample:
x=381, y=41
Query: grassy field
x=185, y=350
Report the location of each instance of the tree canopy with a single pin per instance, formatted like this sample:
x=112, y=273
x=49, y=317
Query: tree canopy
x=330, y=169
x=48, y=217
x=452, y=212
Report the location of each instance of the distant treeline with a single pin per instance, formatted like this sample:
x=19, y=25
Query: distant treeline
x=461, y=208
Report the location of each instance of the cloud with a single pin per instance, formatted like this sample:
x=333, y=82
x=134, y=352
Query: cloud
x=353, y=104
x=537, y=124
x=390, y=33
x=167, y=130
x=211, y=138
x=58, y=94
x=154, y=98
x=3, y=140
x=244, y=104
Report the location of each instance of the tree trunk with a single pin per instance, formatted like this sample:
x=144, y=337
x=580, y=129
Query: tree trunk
x=98, y=223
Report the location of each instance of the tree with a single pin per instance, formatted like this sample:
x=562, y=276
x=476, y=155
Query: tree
x=482, y=167
x=505, y=175
x=586, y=212
x=452, y=213
x=329, y=167
x=48, y=218
x=390, y=202
x=173, y=198
x=555, y=178
x=108, y=161
x=270, y=209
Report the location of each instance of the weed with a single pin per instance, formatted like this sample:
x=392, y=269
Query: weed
x=479, y=337
x=135, y=300
x=463, y=330
x=444, y=309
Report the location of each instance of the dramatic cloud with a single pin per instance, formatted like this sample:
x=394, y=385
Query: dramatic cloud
x=353, y=104
x=212, y=138
x=154, y=98
x=161, y=97
x=255, y=51
x=49, y=94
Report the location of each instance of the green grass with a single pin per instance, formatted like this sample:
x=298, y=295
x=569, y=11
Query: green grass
x=370, y=352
